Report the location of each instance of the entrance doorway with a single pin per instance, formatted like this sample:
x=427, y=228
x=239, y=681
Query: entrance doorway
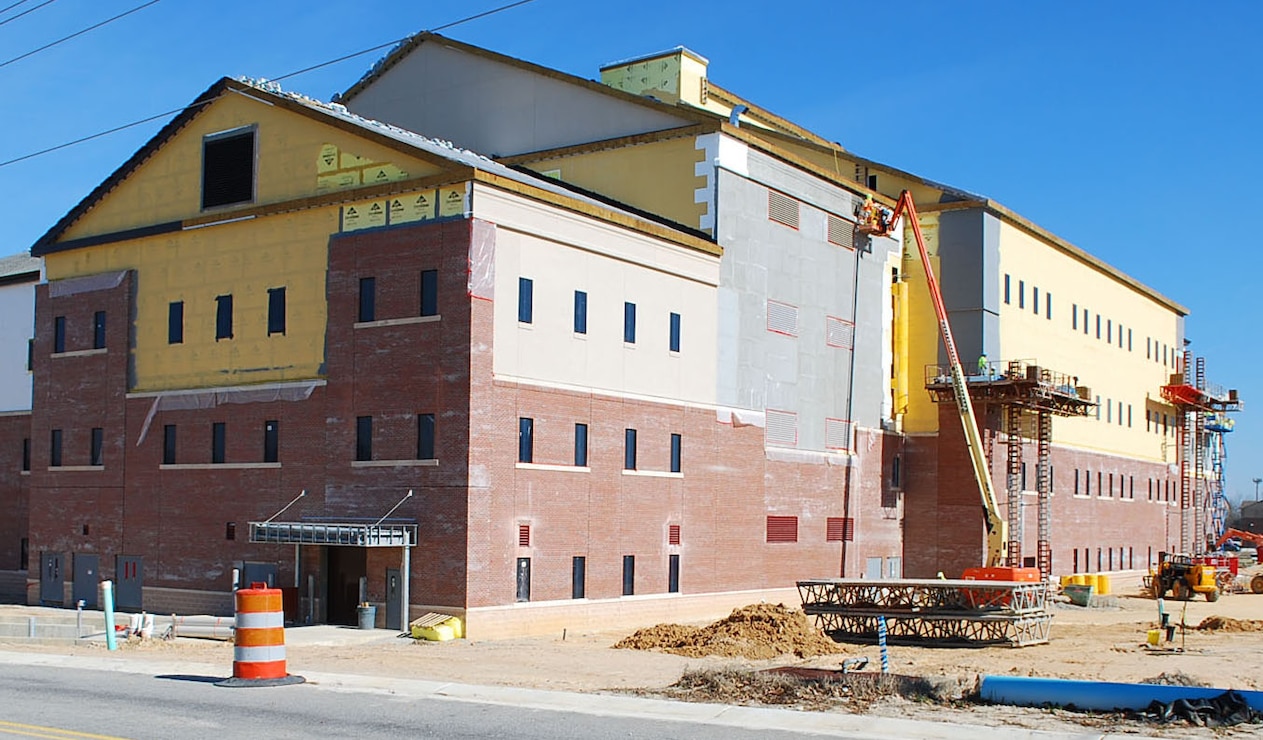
x=347, y=565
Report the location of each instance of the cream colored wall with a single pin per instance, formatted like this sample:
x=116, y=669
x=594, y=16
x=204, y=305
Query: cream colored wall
x=1111, y=372
x=658, y=177
x=564, y=252
x=289, y=164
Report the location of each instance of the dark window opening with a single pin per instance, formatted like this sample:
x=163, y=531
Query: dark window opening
x=580, y=312
x=276, y=311
x=59, y=334
x=581, y=445
x=30, y=355
x=218, y=441
x=629, y=323
x=675, y=332
x=675, y=453
x=175, y=322
x=96, y=455
x=673, y=574
x=525, y=440
x=271, y=441
x=629, y=575
x=629, y=449
x=168, y=444
x=228, y=169
x=1021, y=294
x=1008, y=289
x=24, y=554
x=223, y=317
x=525, y=300
x=98, y=330
x=368, y=299
x=26, y=453
x=578, y=577
x=425, y=436
x=363, y=438
x=429, y=292
x=230, y=530
x=54, y=453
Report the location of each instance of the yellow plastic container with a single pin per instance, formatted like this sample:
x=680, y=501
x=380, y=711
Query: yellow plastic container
x=437, y=631
x=1067, y=581
x=1102, y=584
x=1078, y=579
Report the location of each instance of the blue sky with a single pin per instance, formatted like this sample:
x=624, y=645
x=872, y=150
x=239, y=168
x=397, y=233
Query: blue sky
x=1125, y=127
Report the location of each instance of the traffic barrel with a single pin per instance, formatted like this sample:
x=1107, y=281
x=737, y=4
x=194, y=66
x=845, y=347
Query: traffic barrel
x=259, y=652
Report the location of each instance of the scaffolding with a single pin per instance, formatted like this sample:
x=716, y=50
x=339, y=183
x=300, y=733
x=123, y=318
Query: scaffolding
x=1202, y=410
x=1023, y=391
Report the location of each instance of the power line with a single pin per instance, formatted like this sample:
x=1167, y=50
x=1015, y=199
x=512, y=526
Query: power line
x=11, y=7
x=24, y=12
x=76, y=33
x=133, y=124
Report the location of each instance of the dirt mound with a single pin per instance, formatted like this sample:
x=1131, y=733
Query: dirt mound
x=1175, y=678
x=1228, y=624
x=756, y=632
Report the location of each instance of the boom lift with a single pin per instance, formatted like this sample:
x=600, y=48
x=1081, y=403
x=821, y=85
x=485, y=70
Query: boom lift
x=876, y=220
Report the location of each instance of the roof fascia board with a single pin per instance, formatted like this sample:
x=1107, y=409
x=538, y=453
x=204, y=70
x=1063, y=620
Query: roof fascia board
x=768, y=148
x=605, y=214
x=759, y=112
x=620, y=142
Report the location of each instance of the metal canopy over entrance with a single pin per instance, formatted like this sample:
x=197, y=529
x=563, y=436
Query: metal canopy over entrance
x=341, y=533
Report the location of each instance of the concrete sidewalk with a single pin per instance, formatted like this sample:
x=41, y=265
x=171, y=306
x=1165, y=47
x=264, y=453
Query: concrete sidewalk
x=826, y=724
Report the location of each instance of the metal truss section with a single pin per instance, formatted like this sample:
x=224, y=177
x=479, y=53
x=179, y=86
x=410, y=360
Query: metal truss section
x=956, y=612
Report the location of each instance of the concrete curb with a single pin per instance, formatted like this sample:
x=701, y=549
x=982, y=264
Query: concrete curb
x=828, y=724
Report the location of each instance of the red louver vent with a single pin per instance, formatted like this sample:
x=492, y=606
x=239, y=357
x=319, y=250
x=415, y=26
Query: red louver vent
x=524, y=535
x=782, y=529
x=673, y=534
x=838, y=529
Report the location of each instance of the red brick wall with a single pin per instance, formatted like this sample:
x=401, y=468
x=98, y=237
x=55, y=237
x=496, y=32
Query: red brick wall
x=14, y=491
x=944, y=530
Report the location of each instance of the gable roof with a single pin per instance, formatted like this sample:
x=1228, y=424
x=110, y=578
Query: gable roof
x=438, y=152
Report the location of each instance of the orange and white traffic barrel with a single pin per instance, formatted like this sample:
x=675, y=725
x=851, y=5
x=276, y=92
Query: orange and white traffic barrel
x=259, y=653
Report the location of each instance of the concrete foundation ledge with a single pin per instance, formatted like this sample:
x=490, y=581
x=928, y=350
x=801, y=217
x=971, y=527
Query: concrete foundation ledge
x=627, y=613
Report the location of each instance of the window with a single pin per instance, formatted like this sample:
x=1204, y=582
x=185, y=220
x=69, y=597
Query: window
x=230, y=530
x=1120, y=336
x=578, y=576
x=580, y=312
x=782, y=529
x=368, y=299
x=97, y=454
x=872, y=182
x=1085, y=321
x=1048, y=306
x=629, y=449
x=675, y=453
x=1021, y=294
x=1076, y=481
x=168, y=444
x=1129, y=340
x=1109, y=411
x=674, y=332
x=629, y=323
x=1008, y=289
x=1074, y=317
x=26, y=453
x=30, y=355
x=525, y=440
x=1109, y=330
x=581, y=445
x=629, y=575
x=1148, y=348
x=59, y=334
x=228, y=168
x=363, y=438
x=98, y=330
x=1129, y=415
x=223, y=317
x=175, y=322
x=276, y=311
x=1098, y=326
x=1035, y=300
x=218, y=439
x=673, y=574
x=429, y=292
x=425, y=436
x=271, y=441
x=525, y=300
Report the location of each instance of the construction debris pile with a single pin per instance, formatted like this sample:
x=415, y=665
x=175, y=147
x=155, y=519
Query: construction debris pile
x=755, y=632
x=1228, y=624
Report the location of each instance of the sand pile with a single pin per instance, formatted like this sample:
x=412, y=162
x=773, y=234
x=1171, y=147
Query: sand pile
x=1228, y=624
x=756, y=632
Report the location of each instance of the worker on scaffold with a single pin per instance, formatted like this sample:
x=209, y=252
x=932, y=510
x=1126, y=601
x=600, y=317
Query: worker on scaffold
x=983, y=368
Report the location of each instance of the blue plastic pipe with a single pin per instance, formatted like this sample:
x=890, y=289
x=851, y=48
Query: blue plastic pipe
x=107, y=596
x=1100, y=696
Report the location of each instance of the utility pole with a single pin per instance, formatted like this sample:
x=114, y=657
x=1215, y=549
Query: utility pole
x=1257, y=481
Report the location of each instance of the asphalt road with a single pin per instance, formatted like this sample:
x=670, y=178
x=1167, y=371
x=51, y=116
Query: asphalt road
x=51, y=702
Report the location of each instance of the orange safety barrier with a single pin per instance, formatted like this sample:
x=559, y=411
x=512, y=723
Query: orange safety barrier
x=260, y=636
